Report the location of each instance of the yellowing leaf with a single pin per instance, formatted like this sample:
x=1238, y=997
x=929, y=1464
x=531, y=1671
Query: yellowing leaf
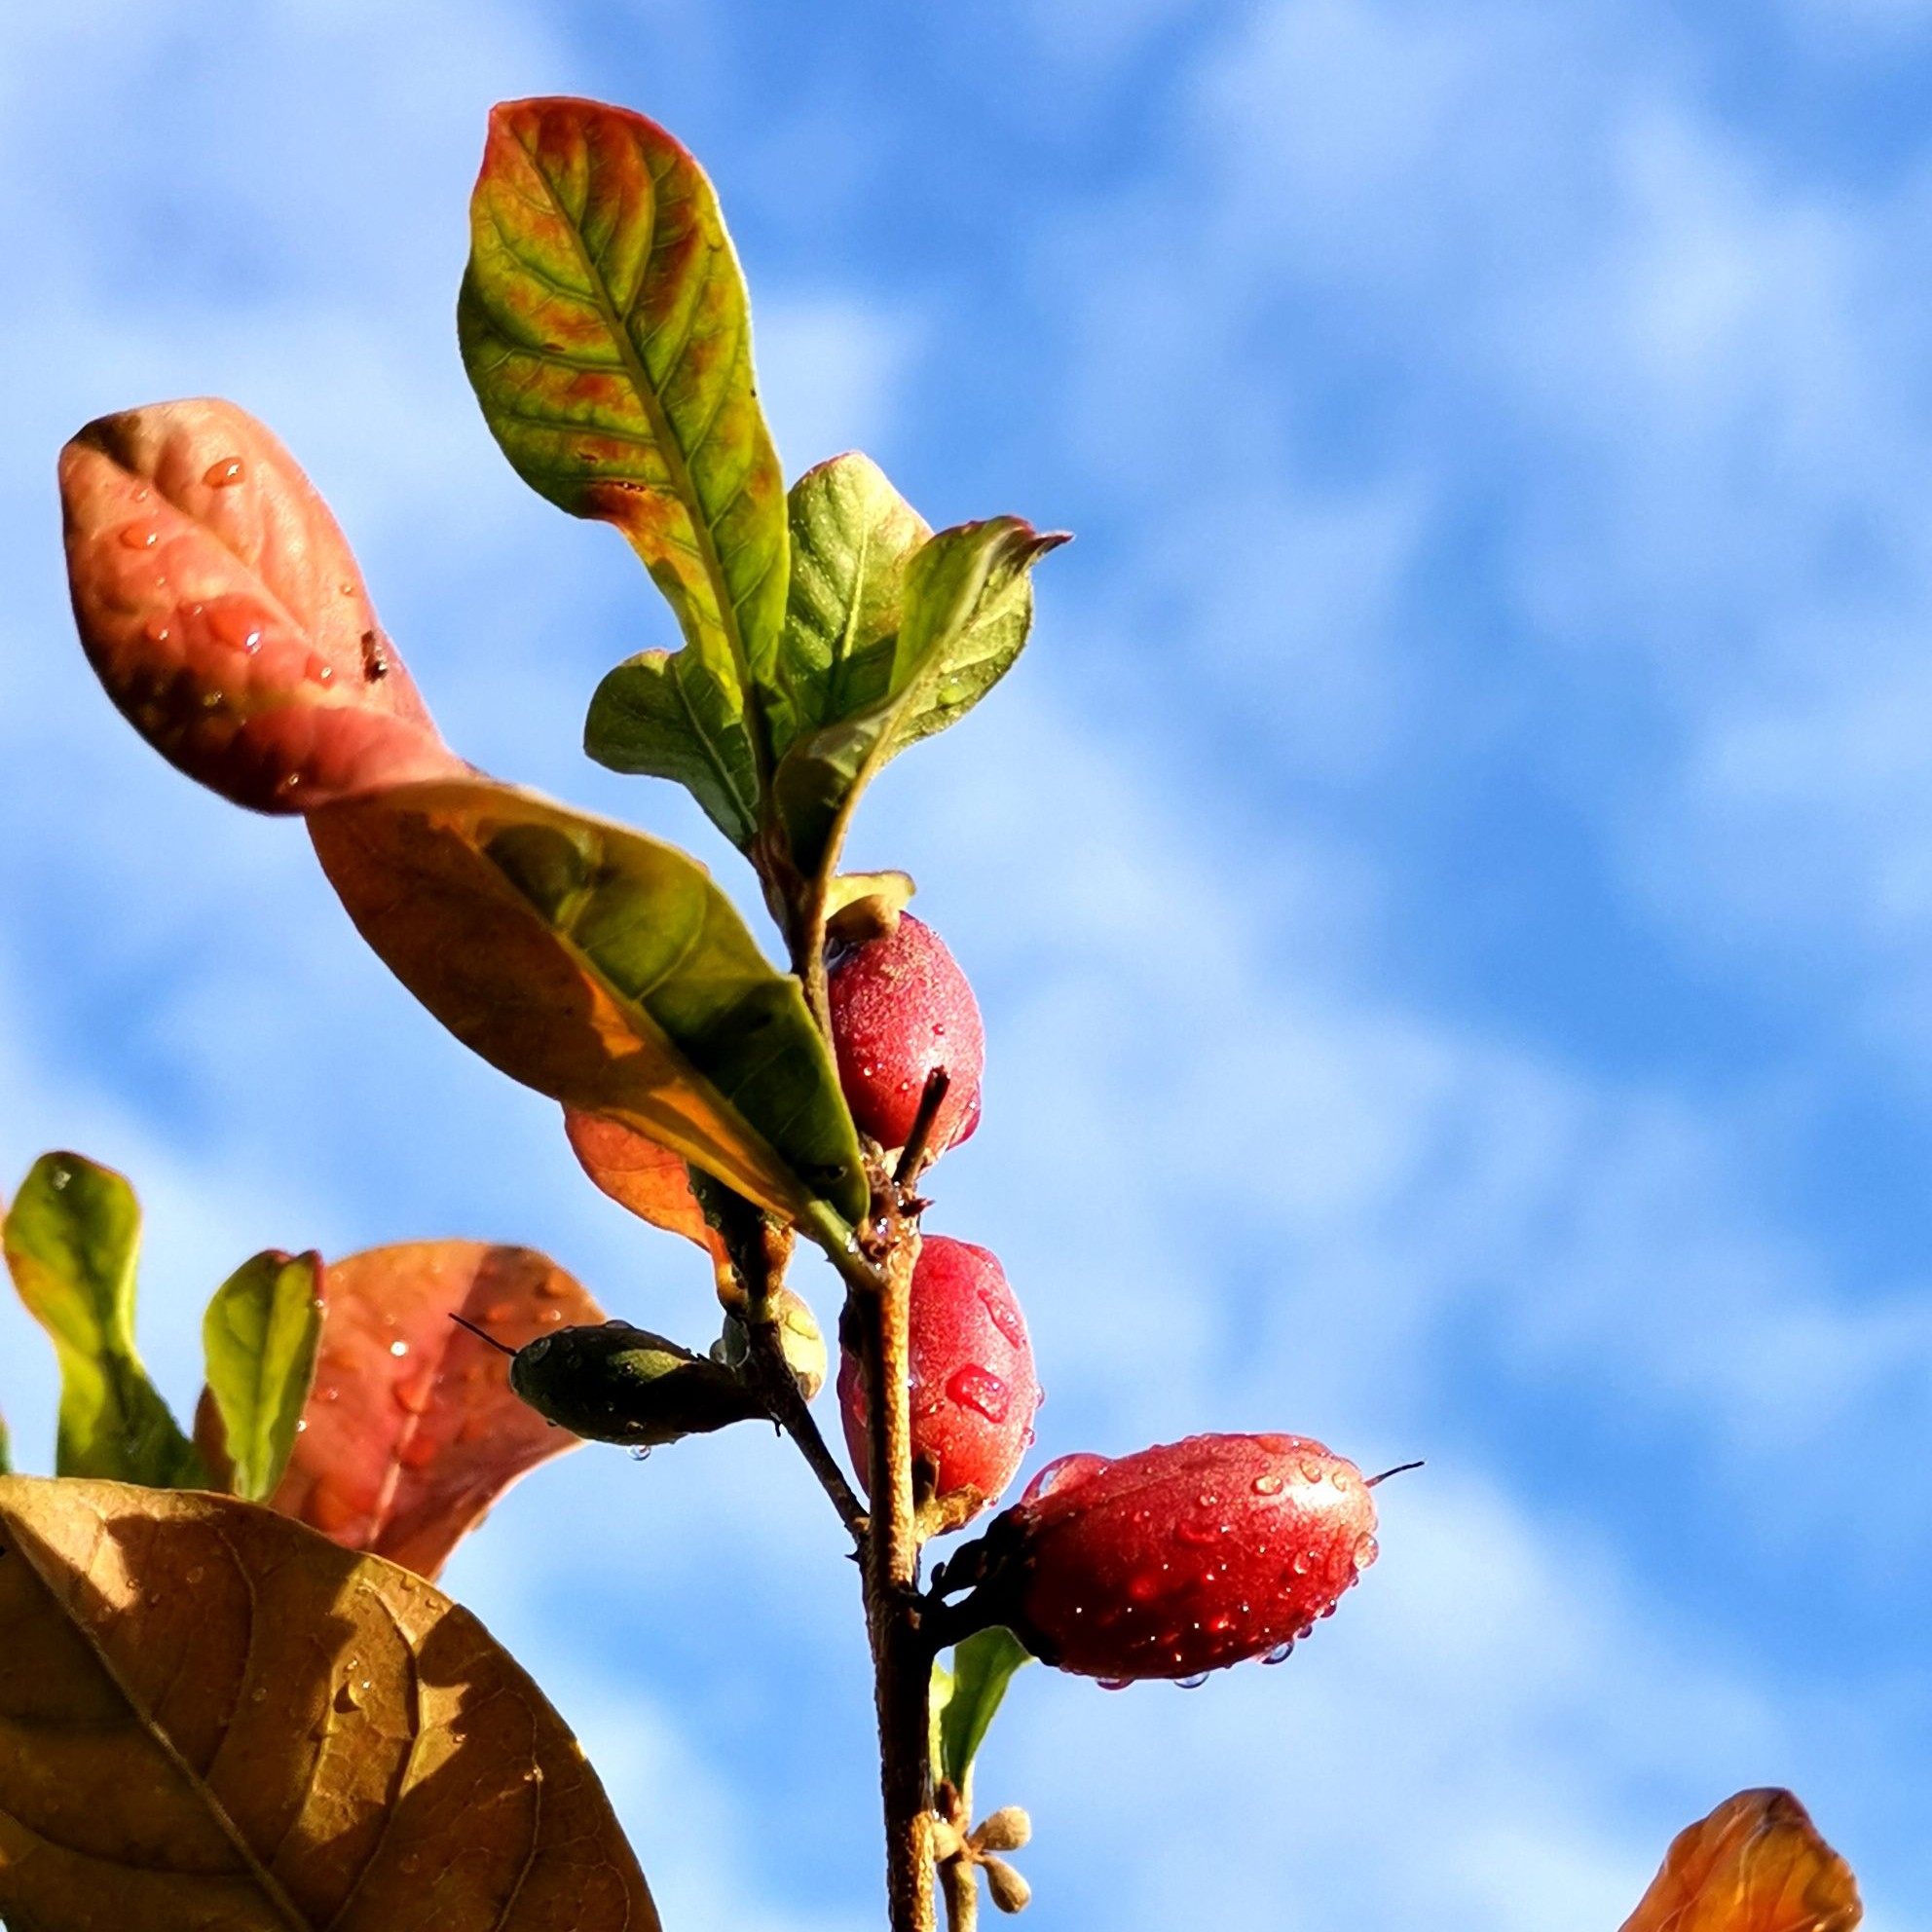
x=604, y=324
x=605, y=970
x=1756, y=1864
x=214, y=1718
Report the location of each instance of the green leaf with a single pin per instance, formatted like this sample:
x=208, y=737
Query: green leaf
x=982, y=1666
x=71, y=1241
x=604, y=324
x=606, y=969
x=968, y=606
x=261, y=1333
x=673, y=715
x=852, y=536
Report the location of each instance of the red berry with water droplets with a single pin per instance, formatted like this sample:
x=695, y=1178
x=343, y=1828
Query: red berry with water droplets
x=1183, y=1558
x=901, y=1007
x=973, y=1388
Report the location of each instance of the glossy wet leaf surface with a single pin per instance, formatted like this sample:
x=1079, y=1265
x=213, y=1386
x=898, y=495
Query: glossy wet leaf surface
x=605, y=970
x=220, y=605
x=1756, y=1864
x=260, y=1336
x=72, y=1240
x=605, y=327
x=214, y=1719
x=411, y=1430
x=967, y=607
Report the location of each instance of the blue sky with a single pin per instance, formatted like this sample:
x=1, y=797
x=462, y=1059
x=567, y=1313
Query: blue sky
x=1450, y=886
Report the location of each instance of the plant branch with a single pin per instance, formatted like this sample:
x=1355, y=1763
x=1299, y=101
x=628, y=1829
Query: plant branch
x=790, y=1411
x=902, y=1659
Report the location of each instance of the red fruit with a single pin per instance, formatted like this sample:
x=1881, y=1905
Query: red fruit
x=899, y=1008
x=1184, y=1558
x=973, y=1393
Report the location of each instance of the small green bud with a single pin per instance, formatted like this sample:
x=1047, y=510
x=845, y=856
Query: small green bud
x=613, y=1383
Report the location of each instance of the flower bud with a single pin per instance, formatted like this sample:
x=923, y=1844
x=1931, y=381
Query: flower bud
x=1011, y=1892
x=901, y=1009
x=1183, y=1558
x=973, y=1388
x=613, y=1383
x=798, y=1340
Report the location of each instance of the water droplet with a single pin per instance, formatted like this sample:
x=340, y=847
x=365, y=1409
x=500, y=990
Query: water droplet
x=195, y=1575
x=1200, y=1535
x=61, y=1176
x=319, y=670
x=398, y=1348
x=1313, y=1469
x=259, y=1694
x=1193, y=1683
x=1366, y=1550
x=224, y=474
x=348, y=1697
x=155, y=630
x=1280, y=1654
x=1269, y=1485
x=1004, y=1317
x=980, y=1390
x=1062, y=1474
x=300, y=1425
x=641, y=1455
x=1113, y=1682
x=413, y=1395
x=236, y=624
x=140, y=535
x=1303, y=1563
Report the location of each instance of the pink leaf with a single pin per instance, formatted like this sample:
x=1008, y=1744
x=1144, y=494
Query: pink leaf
x=223, y=611
x=411, y=1431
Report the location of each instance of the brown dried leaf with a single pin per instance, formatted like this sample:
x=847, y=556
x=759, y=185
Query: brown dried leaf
x=215, y=1719
x=1756, y=1864
x=411, y=1430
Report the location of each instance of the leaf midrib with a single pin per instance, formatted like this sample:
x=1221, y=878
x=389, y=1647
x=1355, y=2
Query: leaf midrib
x=270, y=1888
x=675, y=459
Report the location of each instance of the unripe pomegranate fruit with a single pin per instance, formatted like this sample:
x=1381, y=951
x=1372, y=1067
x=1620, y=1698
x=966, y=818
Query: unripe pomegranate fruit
x=901, y=1007
x=1181, y=1559
x=973, y=1388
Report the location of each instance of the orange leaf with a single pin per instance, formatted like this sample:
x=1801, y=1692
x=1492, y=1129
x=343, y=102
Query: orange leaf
x=222, y=609
x=637, y=1174
x=411, y=1431
x=215, y=1719
x=1756, y=1864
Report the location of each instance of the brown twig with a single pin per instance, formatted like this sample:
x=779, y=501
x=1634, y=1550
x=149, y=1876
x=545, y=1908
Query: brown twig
x=901, y=1662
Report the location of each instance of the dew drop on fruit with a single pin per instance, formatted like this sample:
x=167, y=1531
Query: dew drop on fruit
x=1113, y=1682
x=140, y=535
x=1062, y=1472
x=224, y=474
x=1269, y=1485
x=1005, y=1318
x=642, y=1454
x=1280, y=1654
x=1193, y=1683
x=980, y=1390
x=1366, y=1551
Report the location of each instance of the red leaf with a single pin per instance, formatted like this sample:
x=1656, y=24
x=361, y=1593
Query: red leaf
x=411, y=1431
x=222, y=609
x=1756, y=1864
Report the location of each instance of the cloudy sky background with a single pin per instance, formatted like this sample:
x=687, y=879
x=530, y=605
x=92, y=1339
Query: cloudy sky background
x=1450, y=887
